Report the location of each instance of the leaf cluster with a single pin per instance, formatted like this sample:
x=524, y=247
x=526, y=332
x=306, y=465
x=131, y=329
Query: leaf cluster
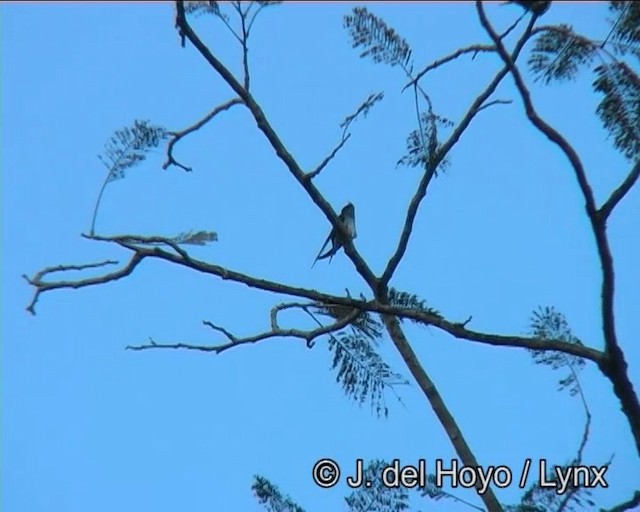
x=127, y=147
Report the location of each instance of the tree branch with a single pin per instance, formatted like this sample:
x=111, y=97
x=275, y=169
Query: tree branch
x=176, y=136
x=457, y=329
x=613, y=365
x=412, y=211
x=42, y=286
x=284, y=155
x=474, y=48
x=328, y=159
x=618, y=194
x=274, y=332
x=445, y=417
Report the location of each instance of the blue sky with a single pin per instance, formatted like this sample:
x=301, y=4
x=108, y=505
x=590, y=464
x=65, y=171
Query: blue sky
x=87, y=425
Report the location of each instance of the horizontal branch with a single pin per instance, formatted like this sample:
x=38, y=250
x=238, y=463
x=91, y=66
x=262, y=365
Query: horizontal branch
x=42, y=286
x=308, y=336
x=456, y=329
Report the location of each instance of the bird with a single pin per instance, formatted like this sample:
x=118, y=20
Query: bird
x=537, y=7
x=348, y=218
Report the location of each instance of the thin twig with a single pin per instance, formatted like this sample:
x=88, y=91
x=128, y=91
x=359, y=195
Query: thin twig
x=328, y=159
x=176, y=136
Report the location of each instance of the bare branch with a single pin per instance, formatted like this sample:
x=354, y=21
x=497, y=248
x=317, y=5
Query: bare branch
x=614, y=365
x=328, y=159
x=280, y=149
x=421, y=191
x=494, y=102
x=176, y=136
x=456, y=329
x=618, y=194
x=274, y=332
x=42, y=286
x=474, y=48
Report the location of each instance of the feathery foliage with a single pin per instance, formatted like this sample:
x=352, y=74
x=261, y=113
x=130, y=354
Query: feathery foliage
x=363, y=109
x=619, y=109
x=127, y=147
x=549, y=324
x=422, y=148
x=377, y=497
x=270, y=496
x=559, y=53
x=410, y=301
x=196, y=237
x=199, y=7
x=362, y=372
x=625, y=30
x=547, y=499
x=378, y=40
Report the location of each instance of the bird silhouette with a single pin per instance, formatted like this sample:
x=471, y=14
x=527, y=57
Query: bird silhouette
x=348, y=218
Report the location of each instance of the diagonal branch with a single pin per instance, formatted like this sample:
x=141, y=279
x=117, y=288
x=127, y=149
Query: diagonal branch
x=445, y=417
x=614, y=365
x=618, y=194
x=176, y=136
x=474, y=48
x=284, y=155
x=421, y=191
x=328, y=159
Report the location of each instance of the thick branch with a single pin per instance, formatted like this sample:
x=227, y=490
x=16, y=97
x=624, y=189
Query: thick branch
x=412, y=211
x=437, y=403
x=194, y=127
x=614, y=365
x=286, y=157
x=456, y=329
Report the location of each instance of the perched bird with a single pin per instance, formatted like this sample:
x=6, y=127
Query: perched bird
x=537, y=7
x=348, y=218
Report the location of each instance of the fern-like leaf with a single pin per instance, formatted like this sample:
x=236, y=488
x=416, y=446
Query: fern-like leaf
x=549, y=324
x=127, y=147
x=362, y=372
x=626, y=26
x=271, y=498
x=196, y=237
x=377, y=497
x=559, y=53
x=378, y=40
x=619, y=109
x=419, y=156
x=410, y=301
